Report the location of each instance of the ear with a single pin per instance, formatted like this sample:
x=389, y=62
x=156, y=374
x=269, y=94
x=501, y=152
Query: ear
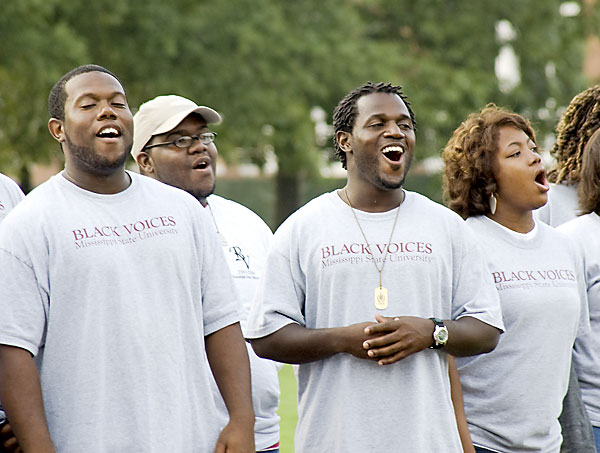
x=146, y=164
x=343, y=140
x=55, y=126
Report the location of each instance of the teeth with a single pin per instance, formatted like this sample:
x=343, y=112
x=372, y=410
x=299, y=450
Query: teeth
x=109, y=131
x=392, y=149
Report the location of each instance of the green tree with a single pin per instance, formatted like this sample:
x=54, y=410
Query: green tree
x=264, y=64
x=32, y=54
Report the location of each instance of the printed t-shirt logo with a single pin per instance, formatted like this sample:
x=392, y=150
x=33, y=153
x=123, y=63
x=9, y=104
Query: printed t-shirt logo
x=126, y=233
x=533, y=278
x=357, y=252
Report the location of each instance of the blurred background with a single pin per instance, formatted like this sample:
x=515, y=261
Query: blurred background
x=275, y=69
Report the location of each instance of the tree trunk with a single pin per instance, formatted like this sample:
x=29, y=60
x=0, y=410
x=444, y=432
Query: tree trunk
x=25, y=178
x=287, y=196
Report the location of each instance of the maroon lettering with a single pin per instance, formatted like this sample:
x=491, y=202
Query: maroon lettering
x=497, y=277
x=393, y=248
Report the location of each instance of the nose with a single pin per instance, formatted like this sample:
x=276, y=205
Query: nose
x=107, y=112
x=197, y=146
x=394, y=130
x=535, y=157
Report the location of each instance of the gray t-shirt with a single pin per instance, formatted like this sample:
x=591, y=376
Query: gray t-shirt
x=585, y=230
x=245, y=239
x=561, y=205
x=114, y=295
x=10, y=195
x=513, y=395
x=320, y=274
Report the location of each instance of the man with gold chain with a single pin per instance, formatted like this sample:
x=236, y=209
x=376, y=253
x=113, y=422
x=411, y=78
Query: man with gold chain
x=369, y=288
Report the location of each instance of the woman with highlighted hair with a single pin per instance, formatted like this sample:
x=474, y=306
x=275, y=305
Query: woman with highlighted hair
x=494, y=178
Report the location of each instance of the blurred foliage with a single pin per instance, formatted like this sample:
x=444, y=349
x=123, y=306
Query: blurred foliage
x=264, y=64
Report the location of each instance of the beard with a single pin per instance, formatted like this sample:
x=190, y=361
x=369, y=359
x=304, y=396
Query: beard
x=91, y=162
x=368, y=168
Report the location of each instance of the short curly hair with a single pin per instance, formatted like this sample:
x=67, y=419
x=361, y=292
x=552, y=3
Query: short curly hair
x=588, y=189
x=58, y=94
x=344, y=115
x=469, y=155
x=577, y=124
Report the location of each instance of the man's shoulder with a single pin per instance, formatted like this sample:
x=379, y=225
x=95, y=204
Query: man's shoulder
x=220, y=202
x=9, y=183
x=226, y=207
x=155, y=188
x=423, y=205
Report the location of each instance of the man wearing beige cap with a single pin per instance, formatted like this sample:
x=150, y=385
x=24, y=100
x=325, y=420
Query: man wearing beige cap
x=114, y=291
x=172, y=143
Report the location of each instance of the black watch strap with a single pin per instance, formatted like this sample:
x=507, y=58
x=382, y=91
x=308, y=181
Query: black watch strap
x=438, y=324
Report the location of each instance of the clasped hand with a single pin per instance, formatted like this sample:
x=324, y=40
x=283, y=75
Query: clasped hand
x=392, y=339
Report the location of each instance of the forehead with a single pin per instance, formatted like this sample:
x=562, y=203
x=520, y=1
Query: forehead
x=97, y=84
x=511, y=134
x=382, y=104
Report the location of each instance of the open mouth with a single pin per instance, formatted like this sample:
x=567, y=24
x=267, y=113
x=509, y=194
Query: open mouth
x=540, y=179
x=201, y=165
x=108, y=132
x=393, y=153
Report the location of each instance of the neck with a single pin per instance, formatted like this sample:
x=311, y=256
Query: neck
x=519, y=222
x=203, y=201
x=371, y=199
x=111, y=183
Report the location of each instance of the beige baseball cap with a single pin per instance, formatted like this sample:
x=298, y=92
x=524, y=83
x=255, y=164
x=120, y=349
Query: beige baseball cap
x=162, y=114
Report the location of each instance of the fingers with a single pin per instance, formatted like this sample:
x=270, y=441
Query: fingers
x=8, y=441
x=398, y=338
x=393, y=358
x=384, y=324
x=10, y=445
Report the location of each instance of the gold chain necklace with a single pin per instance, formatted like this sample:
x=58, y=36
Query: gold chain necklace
x=381, y=293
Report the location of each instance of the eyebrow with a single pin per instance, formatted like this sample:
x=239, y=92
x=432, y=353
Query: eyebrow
x=385, y=115
x=96, y=96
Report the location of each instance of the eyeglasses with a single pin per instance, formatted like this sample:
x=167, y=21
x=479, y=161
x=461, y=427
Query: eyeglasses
x=188, y=140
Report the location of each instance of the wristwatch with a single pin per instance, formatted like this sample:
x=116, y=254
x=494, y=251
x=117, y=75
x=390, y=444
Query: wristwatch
x=440, y=334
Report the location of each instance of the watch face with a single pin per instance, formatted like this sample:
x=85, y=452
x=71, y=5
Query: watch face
x=441, y=335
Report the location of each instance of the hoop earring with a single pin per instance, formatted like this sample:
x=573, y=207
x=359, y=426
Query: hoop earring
x=493, y=204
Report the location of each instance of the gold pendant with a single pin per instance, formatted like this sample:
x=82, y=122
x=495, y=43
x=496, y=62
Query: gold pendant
x=381, y=298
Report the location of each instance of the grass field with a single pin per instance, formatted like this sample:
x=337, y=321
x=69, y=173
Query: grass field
x=287, y=408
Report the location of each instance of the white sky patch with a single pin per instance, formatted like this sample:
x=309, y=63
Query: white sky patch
x=570, y=9
x=505, y=32
x=506, y=65
x=506, y=68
